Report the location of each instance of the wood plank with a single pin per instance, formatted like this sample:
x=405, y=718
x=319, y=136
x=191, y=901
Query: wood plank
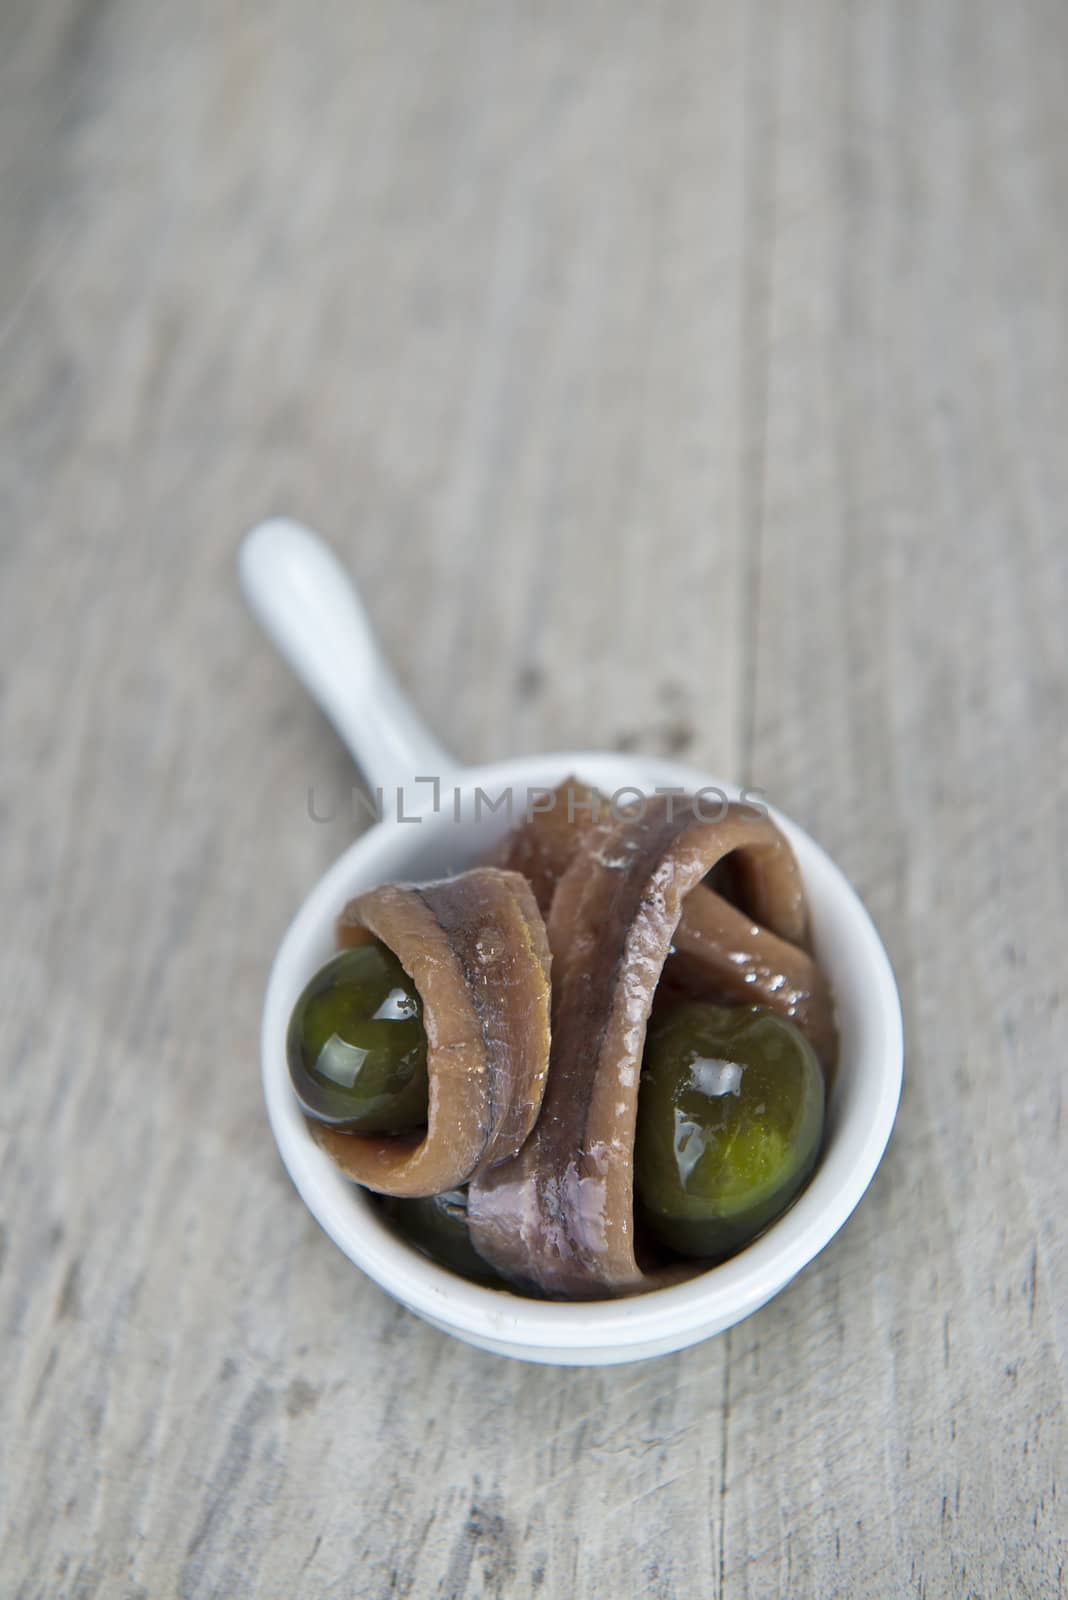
x=911, y=502
x=465, y=291
x=689, y=378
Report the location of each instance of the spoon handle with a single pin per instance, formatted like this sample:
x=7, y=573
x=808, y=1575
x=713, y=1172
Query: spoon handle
x=307, y=604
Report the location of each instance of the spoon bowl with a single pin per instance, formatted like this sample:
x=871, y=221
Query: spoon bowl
x=429, y=829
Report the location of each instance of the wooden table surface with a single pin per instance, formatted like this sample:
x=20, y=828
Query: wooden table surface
x=683, y=377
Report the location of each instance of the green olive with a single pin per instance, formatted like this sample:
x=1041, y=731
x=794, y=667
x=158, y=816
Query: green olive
x=357, y=1047
x=730, y=1117
x=438, y=1227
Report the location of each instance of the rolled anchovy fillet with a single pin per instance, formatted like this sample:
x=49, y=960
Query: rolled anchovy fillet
x=753, y=953
x=541, y=847
x=475, y=947
x=561, y=1214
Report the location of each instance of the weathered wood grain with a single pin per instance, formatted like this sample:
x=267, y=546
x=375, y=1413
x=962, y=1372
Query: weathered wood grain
x=686, y=377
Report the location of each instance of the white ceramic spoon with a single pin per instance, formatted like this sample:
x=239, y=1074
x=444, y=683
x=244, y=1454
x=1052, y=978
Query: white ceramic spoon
x=307, y=604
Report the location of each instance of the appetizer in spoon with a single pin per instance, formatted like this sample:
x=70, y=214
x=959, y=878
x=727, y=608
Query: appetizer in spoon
x=592, y=1067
